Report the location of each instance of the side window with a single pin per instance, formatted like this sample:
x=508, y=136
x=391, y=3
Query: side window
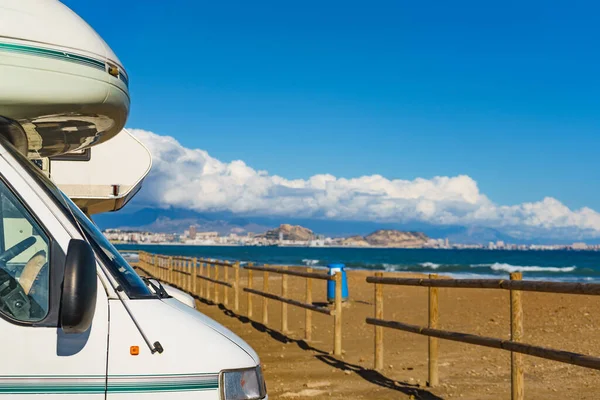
x=24, y=257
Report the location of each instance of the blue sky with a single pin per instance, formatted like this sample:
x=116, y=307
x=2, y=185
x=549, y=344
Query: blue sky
x=504, y=92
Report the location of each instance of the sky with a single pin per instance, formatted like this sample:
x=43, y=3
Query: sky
x=501, y=97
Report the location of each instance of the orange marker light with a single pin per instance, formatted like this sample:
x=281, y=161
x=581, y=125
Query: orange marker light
x=134, y=350
x=114, y=71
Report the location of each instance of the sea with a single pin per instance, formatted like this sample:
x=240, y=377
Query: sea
x=556, y=265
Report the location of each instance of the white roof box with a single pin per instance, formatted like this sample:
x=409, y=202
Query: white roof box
x=105, y=177
x=62, y=87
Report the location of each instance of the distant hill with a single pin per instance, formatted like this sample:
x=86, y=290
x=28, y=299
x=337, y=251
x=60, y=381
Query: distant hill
x=355, y=241
x=395, y=238
x=290, y=232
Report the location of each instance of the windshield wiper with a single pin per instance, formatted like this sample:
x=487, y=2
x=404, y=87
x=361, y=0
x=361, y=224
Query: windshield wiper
x=159, y=290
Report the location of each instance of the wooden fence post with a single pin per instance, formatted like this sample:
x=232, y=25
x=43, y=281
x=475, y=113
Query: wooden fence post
x=209, y=292
x=250, y=294
x=156, y=269
x=378, y=329
x=189, y=277
x=216, y=287
x=236, y=294
x=174, y=271
x=265, y=301
x=284, y=309
x=178, y=275
x=161, y=262
x=182, y=277
x=337, y=318
x=516, y=335
x=433, y=342
x=170, y=270
x=194, y=273
x=307, y=312
x=202, y=281
x=225, y=288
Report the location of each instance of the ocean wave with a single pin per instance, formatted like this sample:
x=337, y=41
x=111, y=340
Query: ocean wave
x=309, y=262
x=389, y=267
x=530, y=268
x=429, y=265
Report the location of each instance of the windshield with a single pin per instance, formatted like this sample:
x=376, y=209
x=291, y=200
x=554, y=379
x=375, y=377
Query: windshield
x=127, y=278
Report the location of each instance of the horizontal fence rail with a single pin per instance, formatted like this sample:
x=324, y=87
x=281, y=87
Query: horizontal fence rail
x=279, y=270
x=321, y=310
x=218, y=282
x=203, y=277
x=536, y=351
x=525, y=286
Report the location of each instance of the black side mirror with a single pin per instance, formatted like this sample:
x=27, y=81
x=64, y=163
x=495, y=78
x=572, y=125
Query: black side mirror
x=78, y=301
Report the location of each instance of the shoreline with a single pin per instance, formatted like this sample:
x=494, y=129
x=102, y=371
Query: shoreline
x=425, y=273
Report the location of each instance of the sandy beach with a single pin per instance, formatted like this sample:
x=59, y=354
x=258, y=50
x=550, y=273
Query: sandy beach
x=296, y=369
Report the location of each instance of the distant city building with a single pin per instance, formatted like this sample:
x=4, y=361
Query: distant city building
x=579, y=246
x=192, y=232
x=207, y=235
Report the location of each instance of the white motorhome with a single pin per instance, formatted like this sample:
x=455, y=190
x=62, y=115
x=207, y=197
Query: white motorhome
x=76, y=321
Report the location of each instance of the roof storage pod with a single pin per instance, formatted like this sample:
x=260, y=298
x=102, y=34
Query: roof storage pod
x=62, y=88
x=103, y=178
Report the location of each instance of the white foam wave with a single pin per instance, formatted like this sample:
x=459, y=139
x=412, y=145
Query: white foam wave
x=394, y=267
x=530, y=268
x=429, y=265
x=481, y=265
x=308, y=261
x=389, y=267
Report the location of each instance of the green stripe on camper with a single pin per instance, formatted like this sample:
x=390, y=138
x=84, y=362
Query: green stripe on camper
x=61, y=55
x=48, y=384
x=50, y=53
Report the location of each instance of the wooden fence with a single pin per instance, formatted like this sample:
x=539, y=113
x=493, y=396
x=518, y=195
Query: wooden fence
x=307, y=305
x=209, y=279
x=515, y=285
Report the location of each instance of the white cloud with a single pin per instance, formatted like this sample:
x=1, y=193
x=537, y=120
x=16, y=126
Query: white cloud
x=191, y=178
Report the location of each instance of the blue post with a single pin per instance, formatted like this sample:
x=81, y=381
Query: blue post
x=333, y=268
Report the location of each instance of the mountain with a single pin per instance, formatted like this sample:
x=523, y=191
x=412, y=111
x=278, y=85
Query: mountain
x=174, y=220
